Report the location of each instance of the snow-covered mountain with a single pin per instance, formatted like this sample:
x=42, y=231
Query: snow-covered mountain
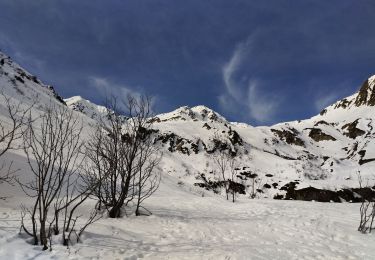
x=325, y=151
x=20, y=84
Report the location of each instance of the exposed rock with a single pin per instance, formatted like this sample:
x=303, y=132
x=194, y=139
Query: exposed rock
x=154, y=120
x=267, y=186
x=57, y=96
x=321, y=195
x=352, y=131
x=344, y=103
x=207, y=126
x=175, y=118
x=362, y=161
x=366, y=95
x=288, y=136
x=176, y=143
x=318, y=135
x=321, y=122
x=234, y=137
x=19, y=79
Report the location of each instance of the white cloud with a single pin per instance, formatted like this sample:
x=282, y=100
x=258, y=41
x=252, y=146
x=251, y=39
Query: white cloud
x=108, y=89
x=229, y=70
x=261, y=107
x=249, y=97
x=324, y=101
x=21, y=58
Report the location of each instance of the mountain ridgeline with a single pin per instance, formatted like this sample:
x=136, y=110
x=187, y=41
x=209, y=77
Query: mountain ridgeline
x=325, y=152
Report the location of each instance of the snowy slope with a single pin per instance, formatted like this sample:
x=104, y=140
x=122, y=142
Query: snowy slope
x=16, y=82
x=325, y=151
x=186, y=226
x=189, y=222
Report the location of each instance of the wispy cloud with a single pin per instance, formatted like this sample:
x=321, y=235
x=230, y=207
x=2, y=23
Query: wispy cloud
x=21, y=57
x=324, y=101
x=262, y=107
x=231, y=67
x=108, y=89
x=245, y=94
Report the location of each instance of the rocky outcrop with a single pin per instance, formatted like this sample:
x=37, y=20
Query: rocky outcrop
x=289, y=136
x=366, y=95
x=321, y=195
x=352, y=131
x=318, y=135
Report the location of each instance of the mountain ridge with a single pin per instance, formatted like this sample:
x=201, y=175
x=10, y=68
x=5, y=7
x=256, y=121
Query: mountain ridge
x=324, y=151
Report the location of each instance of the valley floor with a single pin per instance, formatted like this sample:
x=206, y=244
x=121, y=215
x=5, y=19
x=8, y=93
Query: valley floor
x=185, y=225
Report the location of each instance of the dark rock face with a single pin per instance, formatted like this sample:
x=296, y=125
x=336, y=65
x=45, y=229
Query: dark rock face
x=361, y=161
x=56, y=95
x=235, y=138
x=318, y=135
x=343, y=103
x=177, y=143
x=311, y=193
x=289, y=136
x=352, y=131
x=322, y=122
x=366, y=95
x=207, y=126
x=154, y=120
x=267, y=186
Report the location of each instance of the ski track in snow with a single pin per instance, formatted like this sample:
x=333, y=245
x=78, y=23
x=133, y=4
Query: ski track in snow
x=187, y=226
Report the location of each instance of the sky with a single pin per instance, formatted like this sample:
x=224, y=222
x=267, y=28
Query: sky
x=254, y=61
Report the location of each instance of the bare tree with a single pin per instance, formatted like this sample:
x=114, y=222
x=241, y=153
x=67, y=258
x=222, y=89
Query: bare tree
x=123, y=155
x=10, y=132
x=53, y=150
x=366, y=210
x=233, y=185
x=75, y=192
x=147, y=179
x=222, y=159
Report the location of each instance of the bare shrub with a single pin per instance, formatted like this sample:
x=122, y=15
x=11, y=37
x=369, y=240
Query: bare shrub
x=53, y=149
x=123, y=156
x=366, y=210
x=10, y=133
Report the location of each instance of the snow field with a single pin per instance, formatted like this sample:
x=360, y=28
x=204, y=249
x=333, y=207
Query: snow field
x=185, y=225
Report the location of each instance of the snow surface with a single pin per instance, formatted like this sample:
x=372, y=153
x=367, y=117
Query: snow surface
x=185, y=225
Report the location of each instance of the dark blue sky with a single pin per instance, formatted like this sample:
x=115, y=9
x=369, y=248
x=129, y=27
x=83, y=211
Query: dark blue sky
x=260, y=62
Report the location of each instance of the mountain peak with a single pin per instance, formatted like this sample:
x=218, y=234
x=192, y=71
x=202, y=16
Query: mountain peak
x=366, y=94
x=22, y=83
x=365, y=97
x=84, y=106
x=200, y=112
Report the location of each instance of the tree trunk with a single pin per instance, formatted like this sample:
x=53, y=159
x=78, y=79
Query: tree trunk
x=138, y=204
x=56, y=229
x=115, y=211
x=43, y=235
x=35, y=235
